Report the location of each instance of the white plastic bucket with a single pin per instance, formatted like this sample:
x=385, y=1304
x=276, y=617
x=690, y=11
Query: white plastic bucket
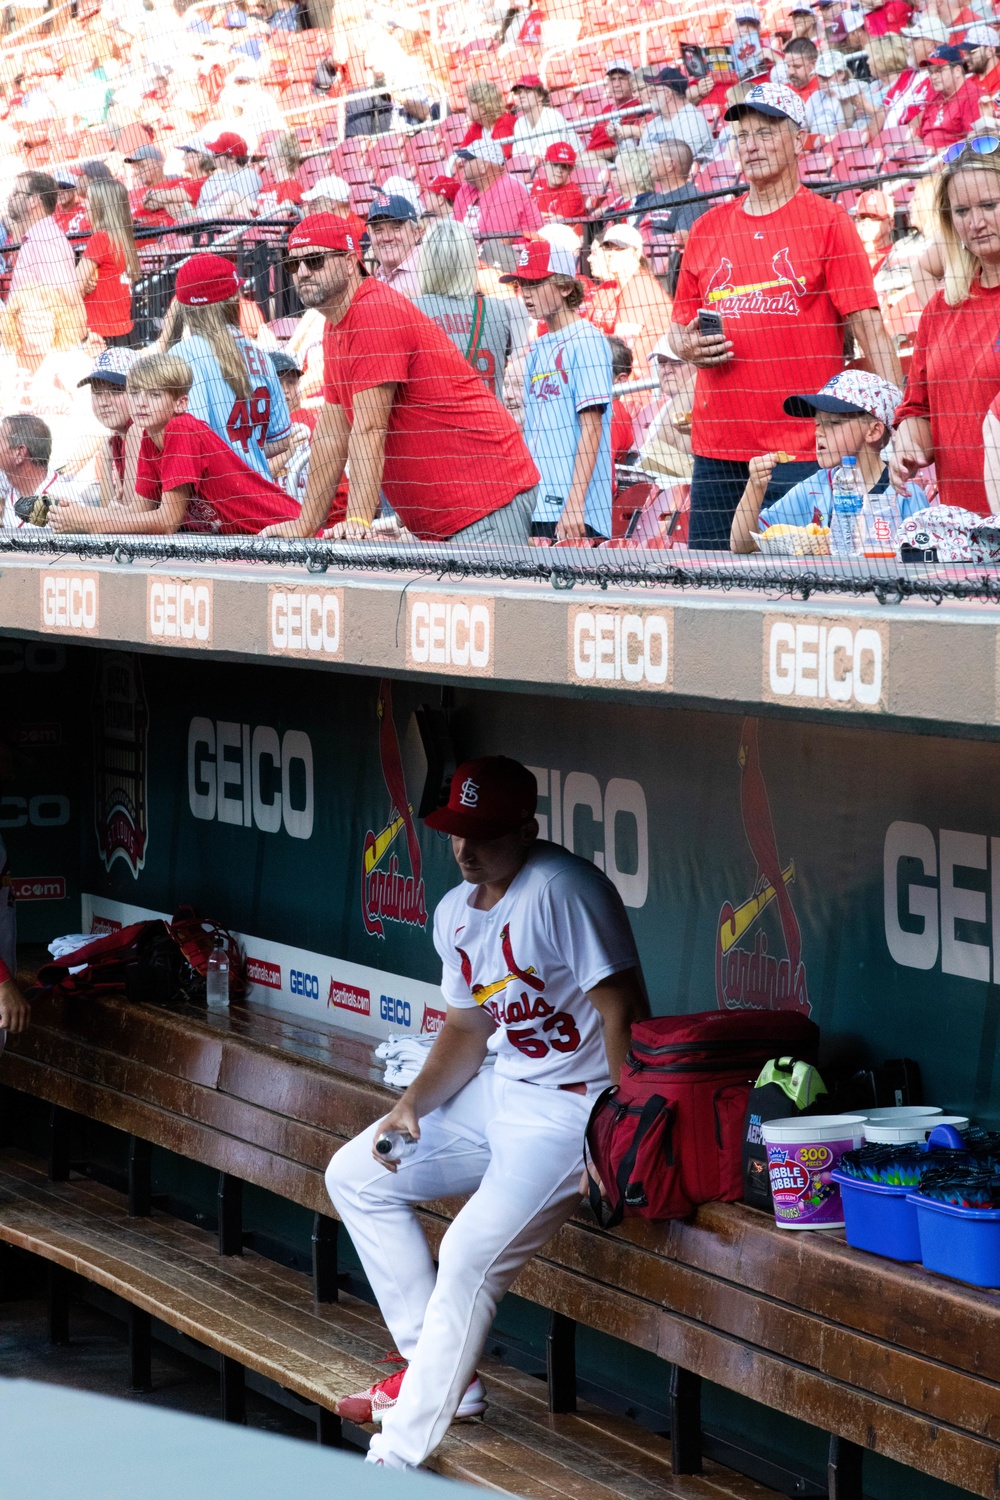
x=909, y=1132
x=899, y=1114
x=801, y=1154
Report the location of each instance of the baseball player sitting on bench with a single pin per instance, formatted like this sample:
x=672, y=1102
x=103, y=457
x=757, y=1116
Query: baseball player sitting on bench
x=536, y=944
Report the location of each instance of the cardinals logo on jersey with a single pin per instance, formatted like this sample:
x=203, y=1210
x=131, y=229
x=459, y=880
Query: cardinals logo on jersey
x=387, y=895
x=121, y=732
x=548, y=385
x=778, y=298
x=757, y=979
x=484, y=994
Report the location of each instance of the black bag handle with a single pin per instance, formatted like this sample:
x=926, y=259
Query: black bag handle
x=651, y=1111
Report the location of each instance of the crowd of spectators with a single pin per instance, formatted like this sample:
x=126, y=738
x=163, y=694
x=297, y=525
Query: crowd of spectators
x=500, y=312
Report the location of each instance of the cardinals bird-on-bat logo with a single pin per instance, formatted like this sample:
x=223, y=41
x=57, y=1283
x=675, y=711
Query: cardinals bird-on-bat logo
x=386, y=894
x=754, y=978
x=780, y=297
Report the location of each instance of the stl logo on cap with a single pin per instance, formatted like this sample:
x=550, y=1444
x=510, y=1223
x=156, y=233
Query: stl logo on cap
x=470, y=793
x=524, y=257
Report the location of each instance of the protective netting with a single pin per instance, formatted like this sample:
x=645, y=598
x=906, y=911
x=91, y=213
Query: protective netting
x=728, y=319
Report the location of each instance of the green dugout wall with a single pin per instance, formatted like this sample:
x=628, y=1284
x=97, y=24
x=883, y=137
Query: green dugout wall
x=271, y=800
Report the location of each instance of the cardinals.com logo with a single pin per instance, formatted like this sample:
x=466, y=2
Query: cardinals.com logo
x=755, y=978
x=778, y=298
x=386, y=894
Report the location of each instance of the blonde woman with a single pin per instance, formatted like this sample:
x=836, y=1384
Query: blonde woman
x=486, y=330
x=235, y=388
x=42, y=361
x=954, y=375
x=631, y=184
x=109, y=264
x=489, y=115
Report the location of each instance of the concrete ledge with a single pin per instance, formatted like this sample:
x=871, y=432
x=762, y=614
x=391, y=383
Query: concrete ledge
x=912, y=662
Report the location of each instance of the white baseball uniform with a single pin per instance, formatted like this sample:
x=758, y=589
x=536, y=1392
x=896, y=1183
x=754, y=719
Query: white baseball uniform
x=512, y=1137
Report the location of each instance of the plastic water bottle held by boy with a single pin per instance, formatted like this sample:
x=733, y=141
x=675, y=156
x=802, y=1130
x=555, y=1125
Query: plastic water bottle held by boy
x=848, y=500
x=217, y=977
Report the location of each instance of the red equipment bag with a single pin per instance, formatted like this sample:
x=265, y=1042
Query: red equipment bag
x=670, y=1136
x=155, y=960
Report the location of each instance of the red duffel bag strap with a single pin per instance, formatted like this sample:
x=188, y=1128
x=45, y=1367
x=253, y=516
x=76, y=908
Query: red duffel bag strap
x=599, y=1137
x=104, y=961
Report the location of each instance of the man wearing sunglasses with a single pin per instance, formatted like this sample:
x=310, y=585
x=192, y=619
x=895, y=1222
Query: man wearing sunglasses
x=404, y=408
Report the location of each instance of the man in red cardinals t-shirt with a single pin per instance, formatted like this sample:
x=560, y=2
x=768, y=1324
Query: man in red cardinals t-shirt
x=148, y=174
x=608, y=134
x=405, y=408
x=71, y=211
x=787, y=272
x=187, y=478
x=954, y=109
x=557, y=196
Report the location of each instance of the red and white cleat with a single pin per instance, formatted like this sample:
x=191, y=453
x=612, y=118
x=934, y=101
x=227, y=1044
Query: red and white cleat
x=371, y=1405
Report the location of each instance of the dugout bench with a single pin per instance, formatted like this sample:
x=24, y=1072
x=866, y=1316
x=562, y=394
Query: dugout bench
x=885, y=1358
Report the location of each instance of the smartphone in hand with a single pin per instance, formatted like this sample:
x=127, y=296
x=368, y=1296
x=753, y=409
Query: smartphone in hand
x=709, y=323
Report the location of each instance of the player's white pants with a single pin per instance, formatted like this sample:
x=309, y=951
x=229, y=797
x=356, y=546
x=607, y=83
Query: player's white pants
x=518, y=1149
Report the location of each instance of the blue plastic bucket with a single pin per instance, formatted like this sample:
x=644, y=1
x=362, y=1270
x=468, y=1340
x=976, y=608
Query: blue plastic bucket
x=879, y=1218
x=959, y=1242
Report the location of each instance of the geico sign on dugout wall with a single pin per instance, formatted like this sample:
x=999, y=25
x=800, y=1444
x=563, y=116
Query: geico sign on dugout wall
x=70, y=602
x=450, y=633
x=827, y=663
x=942, y=900
x=251, y=777
x=179, y=611
x=621, y=646
x=619, y=818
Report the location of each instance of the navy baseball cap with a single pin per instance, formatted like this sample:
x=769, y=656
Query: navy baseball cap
x=668, y=78
x=394, y=207
x=285, y=364
x=111, y=367
x=943, y=57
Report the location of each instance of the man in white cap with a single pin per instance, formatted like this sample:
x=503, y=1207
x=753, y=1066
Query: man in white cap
x=824, y=111
x=786, y=272
x=751, y=58
x=980, y=51
x=495, y=207
x=804, y=22
x=617, y=123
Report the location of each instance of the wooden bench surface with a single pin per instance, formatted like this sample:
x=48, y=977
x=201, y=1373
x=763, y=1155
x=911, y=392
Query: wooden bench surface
x=900, y=1361
x=263, y=1316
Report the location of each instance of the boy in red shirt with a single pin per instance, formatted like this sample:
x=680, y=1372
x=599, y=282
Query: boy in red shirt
x=557, y=197
x=187, y=478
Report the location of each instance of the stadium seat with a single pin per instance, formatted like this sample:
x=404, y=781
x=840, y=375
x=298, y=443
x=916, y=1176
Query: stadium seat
x=716, y=175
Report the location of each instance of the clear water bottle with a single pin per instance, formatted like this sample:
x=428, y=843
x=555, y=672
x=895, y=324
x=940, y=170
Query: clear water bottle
x=848, y=499
x=217, y=978
x=395, y=1145
x=880, y=522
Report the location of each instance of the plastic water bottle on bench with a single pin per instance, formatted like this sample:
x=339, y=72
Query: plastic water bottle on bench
x=848, y=500
x=217, y=977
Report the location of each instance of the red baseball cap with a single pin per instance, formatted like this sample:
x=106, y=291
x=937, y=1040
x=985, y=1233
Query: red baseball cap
x=445, y=187
x=228, y=144
x=323, y=232
x=538, y=260
x=206, y=278
x=489, y=797
x=562, y=153
x=527, y=81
